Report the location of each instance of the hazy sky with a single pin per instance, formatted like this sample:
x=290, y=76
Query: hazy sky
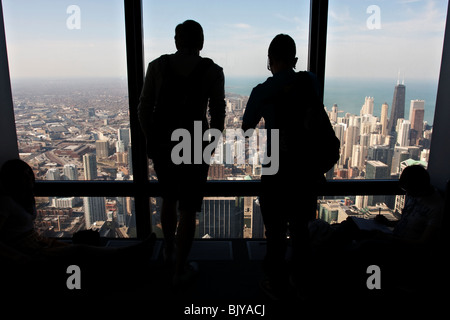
x=407, y=36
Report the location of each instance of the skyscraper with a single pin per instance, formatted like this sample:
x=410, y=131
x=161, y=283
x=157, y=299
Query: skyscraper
x=376, y=170
x=123, y=136
x=53, y=174
x=90, y=166
x=102, y=149
x=334, y=113
x=94, y=210
x=121, y=213
x=416, y=115
x=367, y=107
x=221, y=218
x=403, y=133
x=381, y=153
x=351, y=138
x=70, y=172
x=398, y=107
x=384, y=119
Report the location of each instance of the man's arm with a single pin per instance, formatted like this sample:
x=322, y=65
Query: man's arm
x=252, y=114
x=217, y=102
x=147, y=101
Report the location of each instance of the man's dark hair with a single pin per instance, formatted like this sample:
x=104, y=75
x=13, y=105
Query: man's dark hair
x=189, y=35
x=282, y=48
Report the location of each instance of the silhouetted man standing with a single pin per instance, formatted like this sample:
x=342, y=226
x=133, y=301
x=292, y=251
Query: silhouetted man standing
x=177, y=91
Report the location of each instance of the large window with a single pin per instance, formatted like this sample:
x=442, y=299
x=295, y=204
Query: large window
x=382, y=70
x=237, y=36
x=68, y=74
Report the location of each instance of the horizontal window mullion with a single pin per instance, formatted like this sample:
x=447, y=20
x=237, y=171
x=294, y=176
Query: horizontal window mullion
x=214, y=188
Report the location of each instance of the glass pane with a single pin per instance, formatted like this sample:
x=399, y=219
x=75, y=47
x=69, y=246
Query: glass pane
x=61, y=217
x=338, y=209
x=68, y=74
x=220, y=218
x=382, y=70
x=237, y=35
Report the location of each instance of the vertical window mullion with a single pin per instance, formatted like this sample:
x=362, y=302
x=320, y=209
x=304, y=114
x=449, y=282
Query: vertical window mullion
x=135, y=68
x=318, y=40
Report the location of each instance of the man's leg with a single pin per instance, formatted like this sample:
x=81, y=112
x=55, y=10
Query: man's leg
x=184, y=238
x=169, y=225
x=301, y=242
x=274, y=264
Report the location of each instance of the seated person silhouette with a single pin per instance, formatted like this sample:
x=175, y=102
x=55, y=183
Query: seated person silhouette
x=422, y=215
x=419, y=225
x=410, y=245
x=21, y=245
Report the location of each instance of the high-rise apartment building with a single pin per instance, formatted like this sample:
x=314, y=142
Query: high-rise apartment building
x=90, y=166
x=376, y=170
x=416, y=116
x=102, y=149
x=94, y=210
x=70, y=172
x=384, y=119
x=221, y=218
x=124, y=137
x=334, y=113
x=383, y=153
x=367, y=107
x=53, y=174
x=404, y=128
x=351, y=137
x=121, y=212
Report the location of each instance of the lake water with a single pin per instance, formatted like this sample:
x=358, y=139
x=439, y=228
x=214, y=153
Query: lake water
x=349, y=94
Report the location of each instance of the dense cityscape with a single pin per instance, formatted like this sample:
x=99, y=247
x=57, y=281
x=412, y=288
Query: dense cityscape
x=80, y=130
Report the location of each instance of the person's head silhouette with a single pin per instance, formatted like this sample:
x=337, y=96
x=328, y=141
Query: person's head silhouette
x=415, y=180
x=16, y=177
x=17, y=181
x=281, y=55
x=189, y=36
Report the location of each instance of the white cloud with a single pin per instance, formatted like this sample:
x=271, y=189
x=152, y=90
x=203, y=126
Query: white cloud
x=241, y=25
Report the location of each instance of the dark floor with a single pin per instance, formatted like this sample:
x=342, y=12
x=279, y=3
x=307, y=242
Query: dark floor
x=229, y=273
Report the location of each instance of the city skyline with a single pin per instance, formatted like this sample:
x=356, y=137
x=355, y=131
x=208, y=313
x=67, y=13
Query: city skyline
x=74, y=142
x=67, y=130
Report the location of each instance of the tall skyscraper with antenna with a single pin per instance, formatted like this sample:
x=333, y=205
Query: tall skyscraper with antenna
x=398, y=106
